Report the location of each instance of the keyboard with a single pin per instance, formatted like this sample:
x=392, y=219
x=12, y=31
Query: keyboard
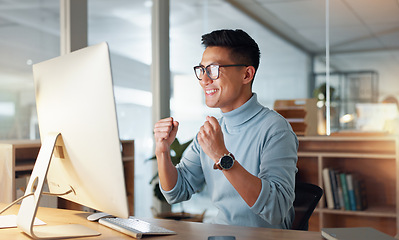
x=134, y=227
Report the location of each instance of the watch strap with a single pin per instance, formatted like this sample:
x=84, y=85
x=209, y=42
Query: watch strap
x=217, y=166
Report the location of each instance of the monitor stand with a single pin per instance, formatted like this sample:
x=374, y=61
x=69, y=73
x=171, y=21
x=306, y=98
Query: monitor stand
x=29, y=205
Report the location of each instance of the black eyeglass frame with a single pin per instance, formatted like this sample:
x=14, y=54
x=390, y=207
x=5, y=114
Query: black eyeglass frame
x=205, y=69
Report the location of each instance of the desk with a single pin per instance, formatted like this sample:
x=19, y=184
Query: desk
x=185, y=230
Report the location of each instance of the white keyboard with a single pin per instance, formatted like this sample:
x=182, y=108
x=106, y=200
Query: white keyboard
x=134, y=227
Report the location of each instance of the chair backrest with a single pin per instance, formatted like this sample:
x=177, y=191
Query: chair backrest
x=307, y=196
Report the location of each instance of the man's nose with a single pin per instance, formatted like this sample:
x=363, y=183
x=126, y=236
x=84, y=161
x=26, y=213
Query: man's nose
x=206, y=79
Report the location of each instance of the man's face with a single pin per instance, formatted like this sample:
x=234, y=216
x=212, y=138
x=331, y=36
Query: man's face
x=228, y=92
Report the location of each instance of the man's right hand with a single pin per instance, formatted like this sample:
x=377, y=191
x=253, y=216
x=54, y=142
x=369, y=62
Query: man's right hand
x=165, y=131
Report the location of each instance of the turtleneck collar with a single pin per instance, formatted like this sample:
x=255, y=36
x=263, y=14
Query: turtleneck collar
x=242, y=114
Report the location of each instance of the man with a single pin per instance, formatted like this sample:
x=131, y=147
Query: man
x=248, y=157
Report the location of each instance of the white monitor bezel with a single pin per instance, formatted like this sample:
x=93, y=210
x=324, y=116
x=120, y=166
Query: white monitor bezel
x=77, y=120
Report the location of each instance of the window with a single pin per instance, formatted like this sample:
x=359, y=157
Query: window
x=29, y=34
x=126, y=26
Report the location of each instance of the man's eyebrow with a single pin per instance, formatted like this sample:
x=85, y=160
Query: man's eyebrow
x=212, y=63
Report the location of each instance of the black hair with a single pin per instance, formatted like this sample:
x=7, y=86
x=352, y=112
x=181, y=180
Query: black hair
x=243, y=48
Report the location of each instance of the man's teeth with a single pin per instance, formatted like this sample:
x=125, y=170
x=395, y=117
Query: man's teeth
x=211, y=91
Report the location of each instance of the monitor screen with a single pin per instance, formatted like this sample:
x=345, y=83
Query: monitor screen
x=74, y=97
x=80, y=155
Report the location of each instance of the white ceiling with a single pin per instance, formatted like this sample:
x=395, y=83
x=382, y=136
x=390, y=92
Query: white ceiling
x=355, y=25
x=363, y=33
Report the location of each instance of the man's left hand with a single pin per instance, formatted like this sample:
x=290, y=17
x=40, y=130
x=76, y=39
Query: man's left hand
x=210, y=137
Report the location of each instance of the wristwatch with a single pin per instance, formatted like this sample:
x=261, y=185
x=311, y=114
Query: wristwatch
x=225, y=162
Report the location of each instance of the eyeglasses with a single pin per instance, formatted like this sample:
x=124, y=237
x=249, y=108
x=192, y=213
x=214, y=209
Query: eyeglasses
x=212, y=70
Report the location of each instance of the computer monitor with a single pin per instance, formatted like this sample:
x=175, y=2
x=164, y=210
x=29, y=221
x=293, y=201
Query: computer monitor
x=81, y=150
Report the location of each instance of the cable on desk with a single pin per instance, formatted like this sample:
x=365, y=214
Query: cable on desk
x=30, y=194
x=15, y=202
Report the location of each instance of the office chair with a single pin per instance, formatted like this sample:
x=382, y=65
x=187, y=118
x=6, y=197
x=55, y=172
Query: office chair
x=307, y=196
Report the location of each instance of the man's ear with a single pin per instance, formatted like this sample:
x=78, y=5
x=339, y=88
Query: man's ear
x=249, y=74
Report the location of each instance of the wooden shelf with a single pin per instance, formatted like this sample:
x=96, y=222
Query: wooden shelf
x=345, y=155
x=381, y=211
x=126, y=159
x=18, y=158
x=373, y=159
x=300, y=113
x=25, y=166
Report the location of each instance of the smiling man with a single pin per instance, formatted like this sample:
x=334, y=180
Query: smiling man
x=248, y=157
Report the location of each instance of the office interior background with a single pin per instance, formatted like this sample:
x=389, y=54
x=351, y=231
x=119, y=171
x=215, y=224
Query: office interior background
x=363, y=36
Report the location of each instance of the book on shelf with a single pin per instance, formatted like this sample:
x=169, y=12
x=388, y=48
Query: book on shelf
x=334, y=188
x=345, y=191
x=351, y=192
x=327, y=188
x=360, y=194
x=340, y=192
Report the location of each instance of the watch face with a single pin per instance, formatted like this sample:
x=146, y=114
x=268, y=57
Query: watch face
x=226, y=162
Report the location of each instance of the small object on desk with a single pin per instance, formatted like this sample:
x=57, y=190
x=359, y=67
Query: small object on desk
x=221, y=238
x=355, y=233
x=134, y=227
x=96, y=216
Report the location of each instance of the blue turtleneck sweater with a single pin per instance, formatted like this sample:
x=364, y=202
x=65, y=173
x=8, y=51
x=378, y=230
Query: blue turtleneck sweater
x=263, y=142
